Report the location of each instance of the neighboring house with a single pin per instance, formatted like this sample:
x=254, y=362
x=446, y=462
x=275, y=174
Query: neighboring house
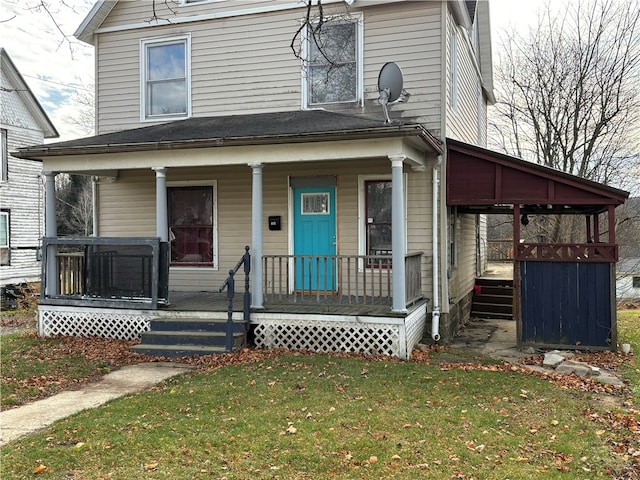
x=22, y=122
x=213, y=135
x=628, y=279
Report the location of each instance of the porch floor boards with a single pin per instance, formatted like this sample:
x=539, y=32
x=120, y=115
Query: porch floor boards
x=334, y=305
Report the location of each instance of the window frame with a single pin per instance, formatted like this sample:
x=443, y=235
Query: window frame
x=358, y=20
x=5, y=250
x=453, y=225
x=4, y=218
x=145, y=44
x=4, y=155
x=213, y=184
x=362, y=215
x=453, y=68
x=635, y=281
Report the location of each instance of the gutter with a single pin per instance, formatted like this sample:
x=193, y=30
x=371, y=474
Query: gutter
x=51, y=150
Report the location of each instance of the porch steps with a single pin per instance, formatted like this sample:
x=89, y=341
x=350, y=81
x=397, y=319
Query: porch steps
x=186, y=337
x=493, y=298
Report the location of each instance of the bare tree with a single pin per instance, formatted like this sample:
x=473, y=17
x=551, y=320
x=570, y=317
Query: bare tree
x=569, y=98
x=570, y=91
x=74, y=209
x=84, y=97
x=326, y=43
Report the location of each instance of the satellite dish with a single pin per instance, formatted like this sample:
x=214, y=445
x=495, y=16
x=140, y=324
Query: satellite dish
x=390, y=87
x=390, y=80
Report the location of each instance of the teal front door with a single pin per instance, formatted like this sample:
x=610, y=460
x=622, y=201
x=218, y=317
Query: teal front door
x=314, y=237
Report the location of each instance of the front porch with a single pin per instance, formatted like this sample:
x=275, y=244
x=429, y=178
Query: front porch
x=117, y=287
x=298, y=324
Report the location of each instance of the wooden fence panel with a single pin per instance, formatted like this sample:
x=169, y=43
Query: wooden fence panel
x=567, y=304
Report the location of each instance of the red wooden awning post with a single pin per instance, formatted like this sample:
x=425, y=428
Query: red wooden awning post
x=612, y=223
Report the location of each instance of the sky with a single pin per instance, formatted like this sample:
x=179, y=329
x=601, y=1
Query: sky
x=56, y=66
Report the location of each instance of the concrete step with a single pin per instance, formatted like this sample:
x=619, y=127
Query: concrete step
x=186, y=337
x=493, y=299
x=492, y=308
x=493, y=290
x=173, y=351
x=194, y=324
x=494, y=315
x=494, y=282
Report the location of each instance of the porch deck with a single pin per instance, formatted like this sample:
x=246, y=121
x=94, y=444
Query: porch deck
x=291, y=304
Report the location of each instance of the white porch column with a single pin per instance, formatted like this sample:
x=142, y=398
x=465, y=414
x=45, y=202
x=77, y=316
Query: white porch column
x=256, y=236
x=162, y=226
x=397, y=234
x=50, y=231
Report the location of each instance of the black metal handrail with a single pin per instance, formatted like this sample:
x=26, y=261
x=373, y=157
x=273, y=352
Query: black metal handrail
x=230, y=285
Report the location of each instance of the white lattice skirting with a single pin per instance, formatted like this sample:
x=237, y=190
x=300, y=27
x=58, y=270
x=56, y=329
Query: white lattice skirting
x=390, y=336
x=85, y=322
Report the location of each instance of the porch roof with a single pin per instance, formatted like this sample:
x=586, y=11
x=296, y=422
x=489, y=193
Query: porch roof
x=238, y=130
x=484, y=181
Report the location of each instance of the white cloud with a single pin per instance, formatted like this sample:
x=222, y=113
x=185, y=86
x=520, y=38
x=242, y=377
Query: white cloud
x=53, y=63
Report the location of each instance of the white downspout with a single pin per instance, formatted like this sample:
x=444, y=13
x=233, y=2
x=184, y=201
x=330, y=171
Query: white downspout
x=94, y=204
x=435, y=313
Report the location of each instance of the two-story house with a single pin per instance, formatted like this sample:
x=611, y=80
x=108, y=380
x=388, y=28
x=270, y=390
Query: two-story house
x=283, y=126
x=22, y=122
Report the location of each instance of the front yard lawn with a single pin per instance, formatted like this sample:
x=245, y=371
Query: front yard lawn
x=279, y=415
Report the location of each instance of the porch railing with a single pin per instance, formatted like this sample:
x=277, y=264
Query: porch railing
x=500, y=250
x=104, y=271
x=338, y=279
x=567, y=252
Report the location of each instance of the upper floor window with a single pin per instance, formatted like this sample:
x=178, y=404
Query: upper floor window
x=165, y=82
x=333, y=66
x=453, y=69
x=4, y=165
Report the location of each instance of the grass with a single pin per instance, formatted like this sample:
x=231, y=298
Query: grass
x=629, y=332
x=33, y=367
x=301, y=416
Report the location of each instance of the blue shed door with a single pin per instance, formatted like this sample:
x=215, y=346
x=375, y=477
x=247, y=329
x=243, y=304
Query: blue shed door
x=566, y=303
x=314, y=237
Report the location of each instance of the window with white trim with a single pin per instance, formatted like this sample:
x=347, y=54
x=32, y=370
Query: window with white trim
x=4, y=166
x=192, y=225
x=332, y=70
x=375, y=223
x=454, y=225
x=165, y=78
x=4, y=238
x=635, y=281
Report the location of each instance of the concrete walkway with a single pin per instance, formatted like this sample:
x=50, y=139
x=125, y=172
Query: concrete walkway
x=35, y=416
x=493, y=338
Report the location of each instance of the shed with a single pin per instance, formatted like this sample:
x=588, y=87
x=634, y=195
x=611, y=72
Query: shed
x=564, y=294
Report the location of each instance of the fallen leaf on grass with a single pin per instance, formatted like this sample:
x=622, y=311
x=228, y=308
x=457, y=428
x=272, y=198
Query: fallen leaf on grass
x=40, y=469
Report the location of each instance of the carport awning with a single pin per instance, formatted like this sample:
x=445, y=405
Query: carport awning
x=484, y=181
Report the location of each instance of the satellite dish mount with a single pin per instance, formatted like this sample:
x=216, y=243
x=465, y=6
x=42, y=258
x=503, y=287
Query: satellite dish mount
x=390, y=85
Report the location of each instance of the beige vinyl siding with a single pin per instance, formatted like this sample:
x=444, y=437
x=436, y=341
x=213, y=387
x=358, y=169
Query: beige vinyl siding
x=462, y=120
x=244, y=64
x=408, y=34
x=127, y=205
x=127, y=208
x=463, y=274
